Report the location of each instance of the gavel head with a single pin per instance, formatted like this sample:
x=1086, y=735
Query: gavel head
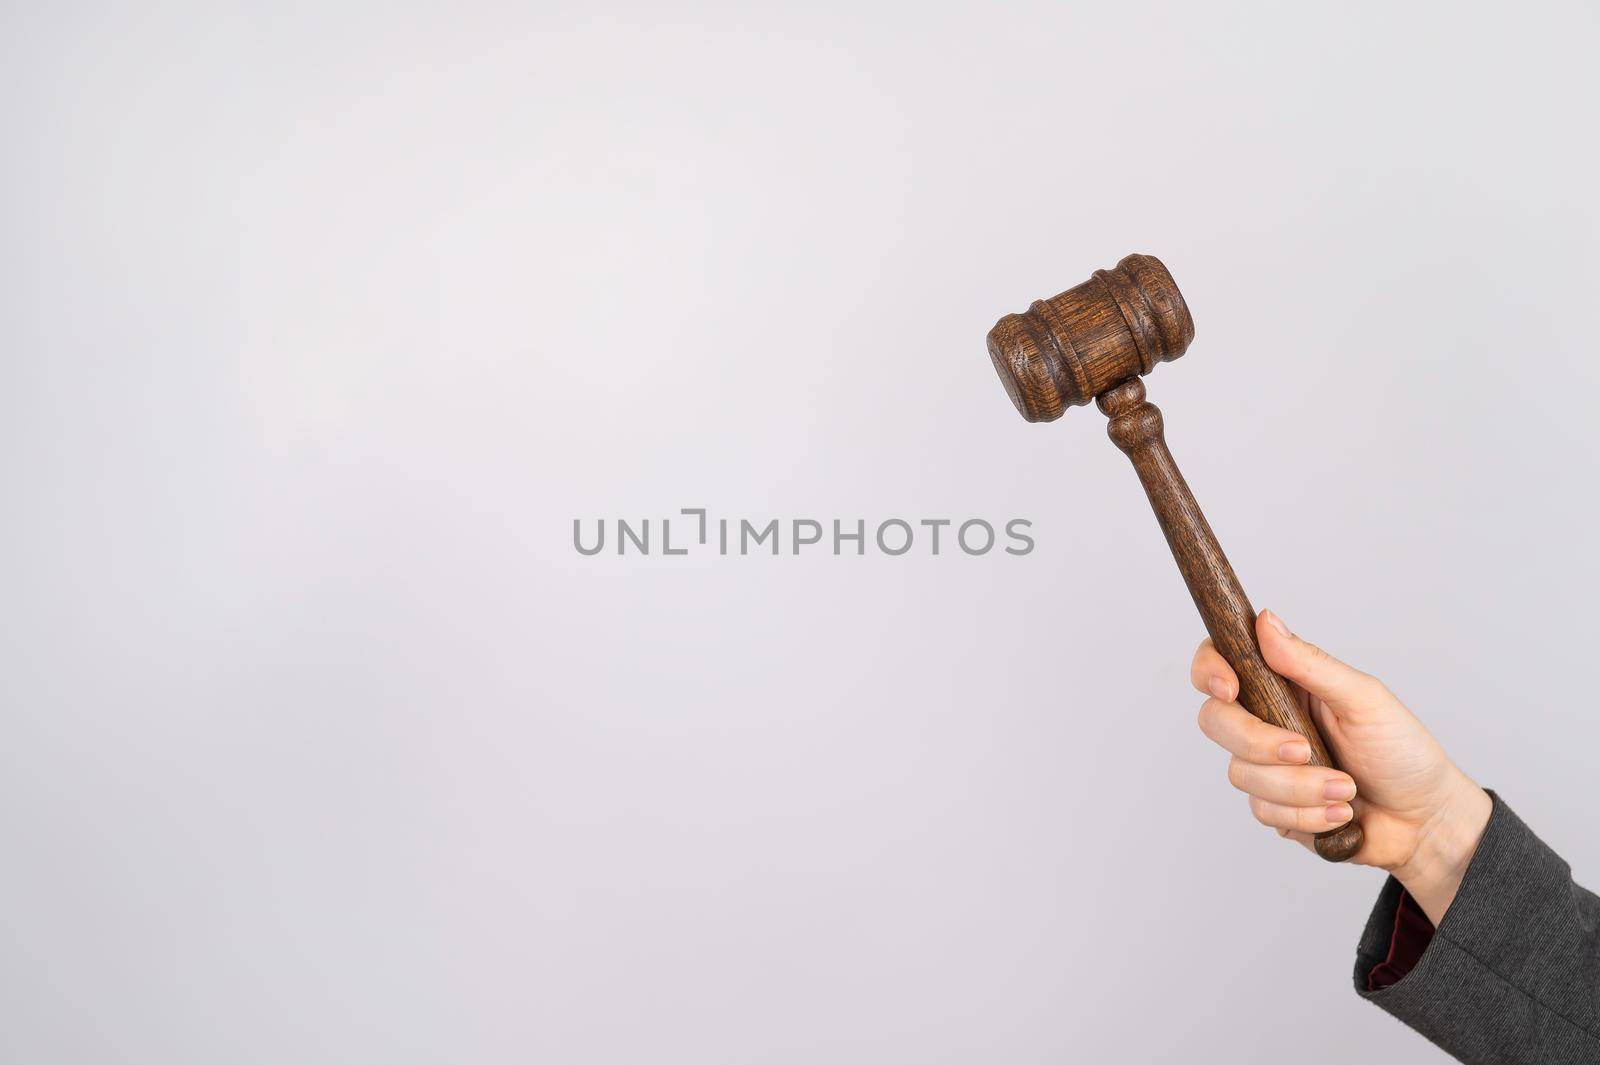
x=1064, y=351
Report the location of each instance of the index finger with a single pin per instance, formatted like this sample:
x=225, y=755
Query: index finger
x=1209, y=666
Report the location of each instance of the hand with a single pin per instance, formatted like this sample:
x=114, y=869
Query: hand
x=1422, y=817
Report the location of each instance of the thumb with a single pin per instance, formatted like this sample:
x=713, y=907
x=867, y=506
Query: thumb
x=1342, y=687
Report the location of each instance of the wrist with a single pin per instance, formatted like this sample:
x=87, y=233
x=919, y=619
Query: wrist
x=1445, y=845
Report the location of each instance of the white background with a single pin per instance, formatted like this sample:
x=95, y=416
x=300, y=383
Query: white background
x=321, y=323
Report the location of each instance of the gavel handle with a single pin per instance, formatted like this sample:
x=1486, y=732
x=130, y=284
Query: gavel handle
x=1135, y=427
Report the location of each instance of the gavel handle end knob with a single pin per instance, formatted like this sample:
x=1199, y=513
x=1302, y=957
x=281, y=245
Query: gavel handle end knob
x=1341, y=844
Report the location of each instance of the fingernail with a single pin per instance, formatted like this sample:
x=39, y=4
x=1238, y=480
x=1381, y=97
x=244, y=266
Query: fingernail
x=1343, y=790
x=1219, y=688
x=1338, y=813
x=1276, y=622
x=1296, y=752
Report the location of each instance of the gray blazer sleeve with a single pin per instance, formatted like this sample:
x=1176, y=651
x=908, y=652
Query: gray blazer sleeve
x=1512, y=973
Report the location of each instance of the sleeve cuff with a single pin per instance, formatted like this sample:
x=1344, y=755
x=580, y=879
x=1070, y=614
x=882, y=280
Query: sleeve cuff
x=1399, y=940
x=1496, y=973
x=1409, y=936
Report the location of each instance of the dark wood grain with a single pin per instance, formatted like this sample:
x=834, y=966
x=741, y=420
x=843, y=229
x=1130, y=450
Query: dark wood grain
x=1136, y=428
x=1064, y=351
x=1095, y=341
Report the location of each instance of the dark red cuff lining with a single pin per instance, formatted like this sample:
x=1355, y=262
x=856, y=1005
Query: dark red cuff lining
x=1412, y=934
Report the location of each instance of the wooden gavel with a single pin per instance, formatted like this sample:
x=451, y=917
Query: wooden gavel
x=1094, y=342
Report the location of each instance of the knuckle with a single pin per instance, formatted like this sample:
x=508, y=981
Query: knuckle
x=1368, y=691
x=1238, y=772
x=1265, y=746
